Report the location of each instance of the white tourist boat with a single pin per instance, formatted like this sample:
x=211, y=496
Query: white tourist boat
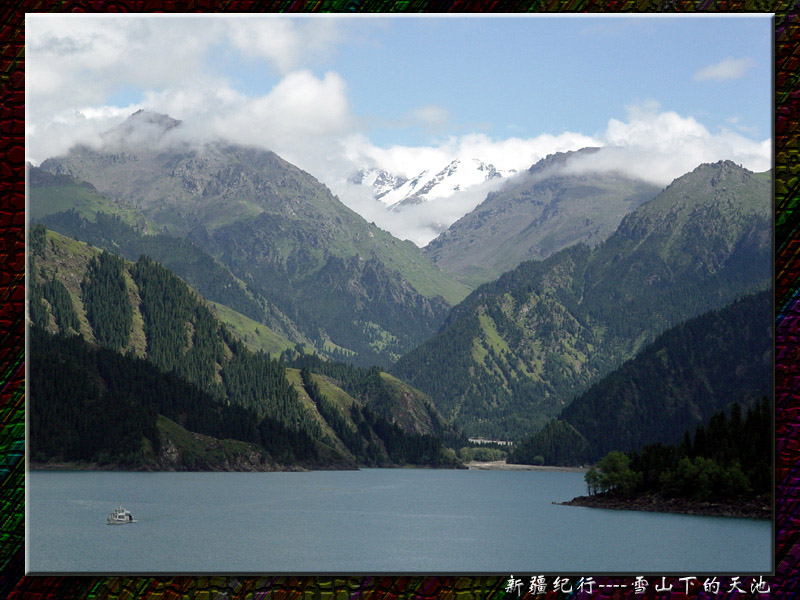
x=120, y=516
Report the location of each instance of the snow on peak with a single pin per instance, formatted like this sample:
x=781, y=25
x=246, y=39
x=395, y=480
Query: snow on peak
x=396, y=191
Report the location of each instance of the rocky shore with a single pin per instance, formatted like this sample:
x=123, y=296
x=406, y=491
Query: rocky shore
x=754, y=508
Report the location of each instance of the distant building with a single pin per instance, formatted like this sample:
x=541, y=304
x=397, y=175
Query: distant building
x=481, y=441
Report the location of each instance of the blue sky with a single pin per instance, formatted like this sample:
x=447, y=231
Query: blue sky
x=529, y=75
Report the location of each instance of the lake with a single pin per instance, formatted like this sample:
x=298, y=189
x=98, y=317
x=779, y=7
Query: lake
x=368, y=521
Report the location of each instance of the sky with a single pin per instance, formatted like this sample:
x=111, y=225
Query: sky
x=332, y=94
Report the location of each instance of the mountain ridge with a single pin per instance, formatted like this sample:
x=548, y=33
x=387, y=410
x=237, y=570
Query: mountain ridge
x=76, y=292
x=674, y=384
x=276, y=228
x=534, y=214
x=518, y=349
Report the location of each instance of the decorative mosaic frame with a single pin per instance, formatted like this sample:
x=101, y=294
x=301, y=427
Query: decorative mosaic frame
x=14, y=584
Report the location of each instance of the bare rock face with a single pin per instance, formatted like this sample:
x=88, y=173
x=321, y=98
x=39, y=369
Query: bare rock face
x=536, y=214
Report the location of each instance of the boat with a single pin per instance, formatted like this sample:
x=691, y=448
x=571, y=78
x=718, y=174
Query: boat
x=120, y=516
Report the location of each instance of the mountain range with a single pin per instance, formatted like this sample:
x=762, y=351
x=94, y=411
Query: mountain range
x=579, y=272
x=328, y=277
x=520, y=348
x=673, y=385
x=144, y=345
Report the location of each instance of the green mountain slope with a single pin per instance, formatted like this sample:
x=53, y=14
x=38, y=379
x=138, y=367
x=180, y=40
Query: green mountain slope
x=154, y=326
x=535, y=214
x=98, y=222
x=50, y=194
x=677, y=382
x=143, y=309
x=93, y=405
x=517, y=350
x=282, y=233
x=384, y=394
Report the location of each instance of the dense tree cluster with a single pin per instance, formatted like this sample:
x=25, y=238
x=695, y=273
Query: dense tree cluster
x=61, y=305
x=73, y=416
x=728, y=458
x=94, y=404
x=558, y=443
x=106, y=301
x=184, y=336
x=37, y=309
x=259, y=383
x=682, y=378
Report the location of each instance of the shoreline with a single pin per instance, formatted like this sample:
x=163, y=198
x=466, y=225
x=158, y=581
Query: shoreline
x=755, y=508
x=78, y=466
x=501, y=465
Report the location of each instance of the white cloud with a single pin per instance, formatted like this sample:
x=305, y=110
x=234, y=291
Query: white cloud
x=654, y=145
x=287, y=44
x=661, y=146
x=730, y=68
x=419, y=223
x=505, y=154
x=78, y=63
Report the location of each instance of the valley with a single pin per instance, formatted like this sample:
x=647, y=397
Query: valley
x=242, y=275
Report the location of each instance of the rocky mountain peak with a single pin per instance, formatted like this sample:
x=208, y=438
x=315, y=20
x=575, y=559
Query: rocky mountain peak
x=560, y=159
x=141, y=128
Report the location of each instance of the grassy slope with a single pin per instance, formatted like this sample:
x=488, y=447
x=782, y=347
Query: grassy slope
x=293, y=375
x=86, y=200
x=255, y=335
x=427, y=279
x=63, y=254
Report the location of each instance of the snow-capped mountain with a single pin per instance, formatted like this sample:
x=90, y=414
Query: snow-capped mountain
x=397, y=191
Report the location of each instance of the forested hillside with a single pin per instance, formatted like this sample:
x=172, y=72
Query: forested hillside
x=94, y=405
x=519, y=349
x=150, y=320
x=385, y=395
x=722, y=468
x=688, y=373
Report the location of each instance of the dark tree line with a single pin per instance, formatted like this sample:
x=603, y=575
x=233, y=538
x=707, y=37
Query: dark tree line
x=105, y=299
x=61, y=305
x=728, y=458
x=183, y=336
x=93, y=404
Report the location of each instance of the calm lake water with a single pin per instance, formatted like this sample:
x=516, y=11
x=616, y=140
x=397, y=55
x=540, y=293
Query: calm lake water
x=370, y=521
